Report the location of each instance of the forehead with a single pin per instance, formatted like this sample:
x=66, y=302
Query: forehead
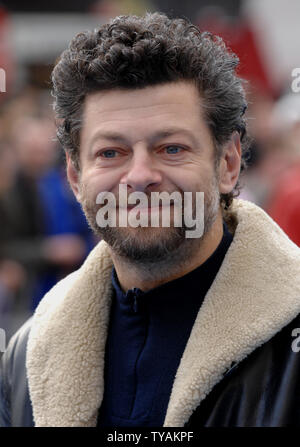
x=177, y=103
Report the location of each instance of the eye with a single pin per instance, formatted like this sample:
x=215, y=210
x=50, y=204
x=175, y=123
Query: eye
x=109, y=153
x=173, y=149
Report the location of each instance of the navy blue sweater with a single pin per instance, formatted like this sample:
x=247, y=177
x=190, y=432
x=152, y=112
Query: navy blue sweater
x=147, y=335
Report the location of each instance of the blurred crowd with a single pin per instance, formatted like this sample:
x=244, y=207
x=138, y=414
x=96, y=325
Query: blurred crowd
x=272, y=179
x=44, y=234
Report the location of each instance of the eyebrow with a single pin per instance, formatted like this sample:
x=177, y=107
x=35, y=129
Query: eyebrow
x=159, y=135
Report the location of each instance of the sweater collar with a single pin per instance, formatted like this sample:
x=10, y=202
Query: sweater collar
x=192, y=285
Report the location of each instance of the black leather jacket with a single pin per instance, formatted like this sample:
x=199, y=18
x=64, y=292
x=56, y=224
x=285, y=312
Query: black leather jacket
x=262, y=390
x=15, y=404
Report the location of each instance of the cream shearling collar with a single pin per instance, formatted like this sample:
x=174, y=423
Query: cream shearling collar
x=255, y=293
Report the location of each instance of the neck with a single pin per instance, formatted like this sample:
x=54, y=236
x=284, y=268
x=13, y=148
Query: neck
x=145, y=278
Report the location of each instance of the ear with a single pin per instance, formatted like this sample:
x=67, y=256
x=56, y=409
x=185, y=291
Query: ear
x=230, y=164
x=73, y=177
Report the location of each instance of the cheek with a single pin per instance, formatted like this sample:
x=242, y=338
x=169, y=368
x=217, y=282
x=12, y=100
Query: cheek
x=194, y=175
x=192, y=180
x=94, y=183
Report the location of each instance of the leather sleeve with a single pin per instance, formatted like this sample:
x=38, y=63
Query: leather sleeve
x=15, y=405
x=4, y=400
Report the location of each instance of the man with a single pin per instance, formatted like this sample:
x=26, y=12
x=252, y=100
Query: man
x=156, y=328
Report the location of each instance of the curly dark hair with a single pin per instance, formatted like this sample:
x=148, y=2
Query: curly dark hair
x=134, y=52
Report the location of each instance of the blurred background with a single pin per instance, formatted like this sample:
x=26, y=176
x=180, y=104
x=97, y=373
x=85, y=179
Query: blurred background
x=44, y=235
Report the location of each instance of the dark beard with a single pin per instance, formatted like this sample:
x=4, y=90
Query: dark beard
x=156, y=246
x=149, y=248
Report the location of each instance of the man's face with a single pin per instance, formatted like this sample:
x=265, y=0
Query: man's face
x=153, y=139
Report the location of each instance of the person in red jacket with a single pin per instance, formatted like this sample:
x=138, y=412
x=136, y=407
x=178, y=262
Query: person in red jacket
x=284, y=207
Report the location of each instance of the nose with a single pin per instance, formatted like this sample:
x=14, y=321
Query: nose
x=142, y=172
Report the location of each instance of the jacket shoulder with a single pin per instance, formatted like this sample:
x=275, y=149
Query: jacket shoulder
x=15, y=406
x=15, y=403
x=260, y=391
